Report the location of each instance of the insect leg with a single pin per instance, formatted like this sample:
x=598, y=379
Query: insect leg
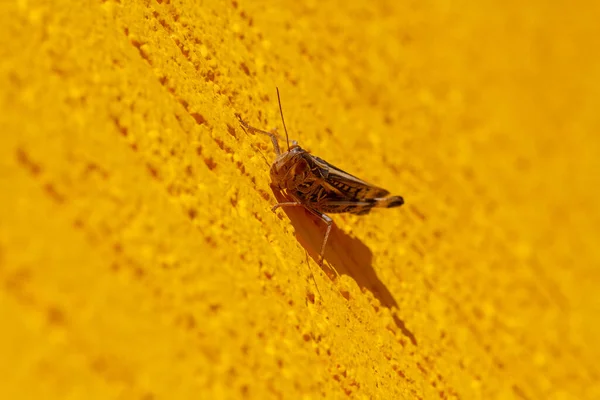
x=253, y=129
x=312, y=275
x=296, y=204
x=324, y=217
x=329, y=223
x=286, y=204
x=327, y=219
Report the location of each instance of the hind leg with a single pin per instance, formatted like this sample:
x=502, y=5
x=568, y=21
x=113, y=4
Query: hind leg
x=324, y=217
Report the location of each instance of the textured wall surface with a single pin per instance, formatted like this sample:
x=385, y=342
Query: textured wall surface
x=139, y=258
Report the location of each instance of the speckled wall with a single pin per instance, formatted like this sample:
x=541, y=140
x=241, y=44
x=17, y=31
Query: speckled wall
x=139, y=257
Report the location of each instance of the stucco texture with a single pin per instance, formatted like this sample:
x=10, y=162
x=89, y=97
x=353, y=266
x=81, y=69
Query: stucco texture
x=140, y=259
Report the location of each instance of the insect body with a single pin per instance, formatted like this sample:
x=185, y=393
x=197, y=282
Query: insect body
x=310, y=182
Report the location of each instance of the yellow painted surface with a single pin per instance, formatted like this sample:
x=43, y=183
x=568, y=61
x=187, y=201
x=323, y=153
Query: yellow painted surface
x=139, y=258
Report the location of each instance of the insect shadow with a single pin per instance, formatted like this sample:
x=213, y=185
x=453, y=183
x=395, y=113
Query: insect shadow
x=348, y=255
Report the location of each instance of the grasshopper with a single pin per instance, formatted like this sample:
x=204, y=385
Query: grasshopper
x=310, y=182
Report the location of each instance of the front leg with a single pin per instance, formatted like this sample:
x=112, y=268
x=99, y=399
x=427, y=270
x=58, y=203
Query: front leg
x=253, y=129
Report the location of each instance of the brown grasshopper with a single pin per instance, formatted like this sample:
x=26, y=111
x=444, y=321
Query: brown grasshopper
x=310, y=182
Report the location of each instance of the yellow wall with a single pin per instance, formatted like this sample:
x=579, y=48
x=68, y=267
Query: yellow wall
x=139, y=258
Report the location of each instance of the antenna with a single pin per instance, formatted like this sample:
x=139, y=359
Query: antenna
x=282, y=120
